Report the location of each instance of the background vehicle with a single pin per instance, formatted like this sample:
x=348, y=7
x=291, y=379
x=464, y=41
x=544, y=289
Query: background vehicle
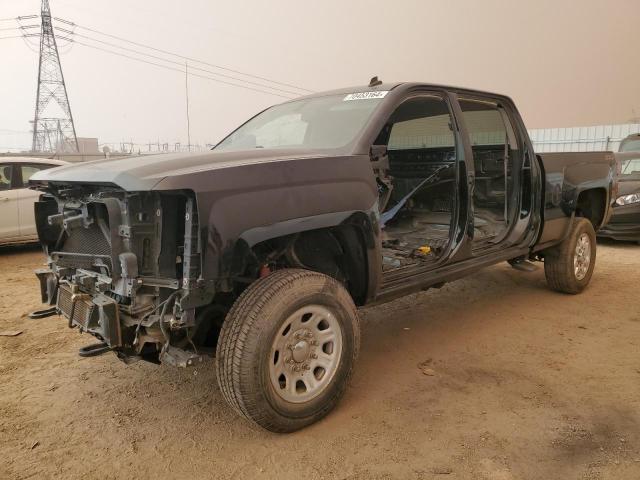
x=631, y=143
x=17, y=222
x=262, y=248
x=625, y=220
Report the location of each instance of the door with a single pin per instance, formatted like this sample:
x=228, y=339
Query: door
x=9, y=223
x=496, y=154
x=27, y=198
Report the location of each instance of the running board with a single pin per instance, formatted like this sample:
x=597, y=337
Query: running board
x=523, y=265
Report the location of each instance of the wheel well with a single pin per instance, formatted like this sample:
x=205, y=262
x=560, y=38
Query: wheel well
x=592, y=205
x=339, y=252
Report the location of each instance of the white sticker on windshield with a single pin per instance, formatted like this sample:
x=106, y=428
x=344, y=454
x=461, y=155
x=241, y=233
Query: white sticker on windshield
x=365, y=95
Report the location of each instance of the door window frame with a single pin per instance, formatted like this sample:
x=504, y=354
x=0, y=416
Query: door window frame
x=515, y=127
x=460, y=211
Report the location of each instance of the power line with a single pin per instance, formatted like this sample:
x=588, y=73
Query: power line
x=174, y=69
x=138, y=52
x=21, y=28
x=22, y=17
x=191, y=59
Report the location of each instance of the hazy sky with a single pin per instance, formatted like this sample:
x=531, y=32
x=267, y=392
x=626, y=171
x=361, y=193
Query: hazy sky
x=565, y=63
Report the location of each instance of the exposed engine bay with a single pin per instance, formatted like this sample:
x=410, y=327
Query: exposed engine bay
x=122, y=267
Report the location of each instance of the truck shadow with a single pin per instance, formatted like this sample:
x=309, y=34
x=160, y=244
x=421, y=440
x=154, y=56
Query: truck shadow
x=17, y=249
x=618, y=244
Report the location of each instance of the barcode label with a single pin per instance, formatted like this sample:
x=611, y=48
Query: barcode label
x=365, y=95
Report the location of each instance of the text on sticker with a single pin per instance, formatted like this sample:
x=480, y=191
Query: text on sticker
x=365, y=95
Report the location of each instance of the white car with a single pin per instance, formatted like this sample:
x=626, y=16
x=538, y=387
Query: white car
x=17, y=221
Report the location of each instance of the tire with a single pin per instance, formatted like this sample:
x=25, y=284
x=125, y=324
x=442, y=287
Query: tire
x=562, y=261
x=269, y=382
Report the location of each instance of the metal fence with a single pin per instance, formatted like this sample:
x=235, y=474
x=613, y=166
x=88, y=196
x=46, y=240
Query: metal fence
x=581, y=139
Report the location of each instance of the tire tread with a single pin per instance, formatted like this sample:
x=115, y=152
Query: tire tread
x=558, y=262
x=234, y=378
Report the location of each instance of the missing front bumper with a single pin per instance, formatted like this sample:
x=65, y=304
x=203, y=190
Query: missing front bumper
x=94, y=313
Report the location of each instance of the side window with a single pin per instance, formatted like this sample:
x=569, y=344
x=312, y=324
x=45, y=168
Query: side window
x=424, y=132
x=29, y=170
x=6, y=171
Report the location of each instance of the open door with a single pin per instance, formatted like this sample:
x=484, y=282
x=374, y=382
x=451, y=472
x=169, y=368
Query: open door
x=496, y=154
x=417, y=182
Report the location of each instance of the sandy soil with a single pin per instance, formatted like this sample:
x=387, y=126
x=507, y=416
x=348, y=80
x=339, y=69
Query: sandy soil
x=520, y=383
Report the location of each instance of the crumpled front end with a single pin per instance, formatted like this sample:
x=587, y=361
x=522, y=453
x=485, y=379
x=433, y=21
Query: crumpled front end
x=123, y=266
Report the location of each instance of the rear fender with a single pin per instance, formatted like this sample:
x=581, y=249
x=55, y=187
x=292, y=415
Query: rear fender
x=582, y=189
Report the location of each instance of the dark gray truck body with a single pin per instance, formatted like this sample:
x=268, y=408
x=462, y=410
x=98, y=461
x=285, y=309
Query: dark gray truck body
x=124, y=237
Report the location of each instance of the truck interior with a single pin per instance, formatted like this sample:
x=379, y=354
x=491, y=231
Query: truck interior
x=495, y=151
x=414, y=159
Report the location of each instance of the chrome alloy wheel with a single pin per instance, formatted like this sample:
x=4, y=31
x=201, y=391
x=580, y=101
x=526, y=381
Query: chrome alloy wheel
x=305, y=354
x=582, y=256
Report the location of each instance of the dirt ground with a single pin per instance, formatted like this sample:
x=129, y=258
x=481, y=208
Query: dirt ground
x=491, y=377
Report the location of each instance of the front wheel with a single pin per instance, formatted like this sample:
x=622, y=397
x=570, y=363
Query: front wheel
x=569, y=265
x=287, y=349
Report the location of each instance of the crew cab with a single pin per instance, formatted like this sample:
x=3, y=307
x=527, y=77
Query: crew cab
x=260, y=251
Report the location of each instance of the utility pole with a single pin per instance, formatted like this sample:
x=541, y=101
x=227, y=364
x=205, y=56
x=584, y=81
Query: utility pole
x=53, y=113
x=186, y=89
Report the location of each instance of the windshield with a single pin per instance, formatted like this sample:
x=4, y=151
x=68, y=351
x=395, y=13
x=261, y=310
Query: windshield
x=631, y=166
x=630, y=145
x=317, y=123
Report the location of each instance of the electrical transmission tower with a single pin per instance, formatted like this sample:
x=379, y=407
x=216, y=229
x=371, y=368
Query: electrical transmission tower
x=53, y=128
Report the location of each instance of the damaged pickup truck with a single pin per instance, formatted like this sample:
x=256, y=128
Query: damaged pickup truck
x=260, y=251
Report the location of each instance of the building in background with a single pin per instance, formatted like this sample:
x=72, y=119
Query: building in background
x=581, y=139
x=88, y=146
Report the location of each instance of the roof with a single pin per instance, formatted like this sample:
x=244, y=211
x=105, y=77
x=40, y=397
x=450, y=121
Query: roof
x=393, y=85
x=32, y=160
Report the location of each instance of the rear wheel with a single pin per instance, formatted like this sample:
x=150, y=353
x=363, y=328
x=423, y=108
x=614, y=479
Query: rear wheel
x=287, y=349
x=569, y=266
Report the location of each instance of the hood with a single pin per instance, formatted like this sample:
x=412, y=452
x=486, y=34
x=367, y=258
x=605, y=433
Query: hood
x=144, y=172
